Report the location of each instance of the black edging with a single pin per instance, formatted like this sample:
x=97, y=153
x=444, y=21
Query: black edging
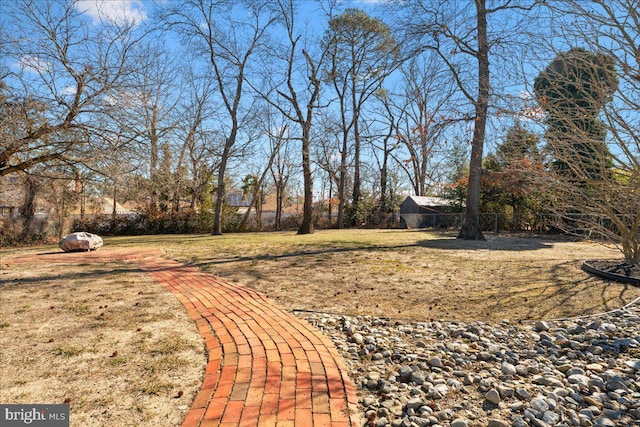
x=609, y=276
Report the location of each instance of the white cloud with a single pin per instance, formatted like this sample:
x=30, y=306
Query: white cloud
x=114, y=11
x=526, y=95
x=125, y=99
x=110, y=100
x=69, y=90
x=531, y=110
x=33, y=64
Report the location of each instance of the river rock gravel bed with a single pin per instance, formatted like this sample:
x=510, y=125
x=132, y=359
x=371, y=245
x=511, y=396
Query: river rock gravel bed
x=580, y=372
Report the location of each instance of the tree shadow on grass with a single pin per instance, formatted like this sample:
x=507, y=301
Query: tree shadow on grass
x=492, y=243
x=91, y=273
x=299, y=253
x=498, y=244
x=557, y=298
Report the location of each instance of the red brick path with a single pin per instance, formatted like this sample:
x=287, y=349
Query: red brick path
x=265, y=367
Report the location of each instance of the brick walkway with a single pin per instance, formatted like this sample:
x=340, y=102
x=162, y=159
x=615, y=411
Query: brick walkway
x=265, y=367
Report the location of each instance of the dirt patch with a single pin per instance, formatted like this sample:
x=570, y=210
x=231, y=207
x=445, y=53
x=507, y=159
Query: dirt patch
x=119, y=348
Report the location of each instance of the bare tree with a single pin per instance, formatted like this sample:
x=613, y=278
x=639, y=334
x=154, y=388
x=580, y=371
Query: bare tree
x=601, y=194
x=149, y=109
x=332, y=154
x=227, y=34
x=117, y=160
x=254, y=183
x=328, y=157
x=282, y=168
x=69, y=69
x=195, y=152
x=384, y=142
x=363, y=52
x=297, y=99
x=423, y=116
x=463, y=43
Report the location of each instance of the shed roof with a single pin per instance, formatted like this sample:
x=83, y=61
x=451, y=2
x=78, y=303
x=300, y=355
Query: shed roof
x=102, y=206
x=430, y=201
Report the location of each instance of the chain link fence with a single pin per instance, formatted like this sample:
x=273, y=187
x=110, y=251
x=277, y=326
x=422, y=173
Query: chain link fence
x=571, y=224
x=489, y=222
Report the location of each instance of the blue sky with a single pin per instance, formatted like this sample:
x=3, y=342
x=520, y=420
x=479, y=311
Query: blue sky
x=506, y=78
x=141, y=13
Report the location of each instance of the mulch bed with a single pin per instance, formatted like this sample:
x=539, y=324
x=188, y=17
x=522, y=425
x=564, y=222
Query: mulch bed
x=615, y=269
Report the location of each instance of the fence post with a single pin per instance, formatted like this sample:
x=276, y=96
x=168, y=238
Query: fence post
x=495, y=223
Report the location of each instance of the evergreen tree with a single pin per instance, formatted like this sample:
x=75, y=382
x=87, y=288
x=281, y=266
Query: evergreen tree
x=509, y=173
x=573, y=89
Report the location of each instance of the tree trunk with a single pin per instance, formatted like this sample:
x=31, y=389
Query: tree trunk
x=153, y=170
x=114, y=210
x=28, y=208
x=247, y=213
x=259, y=210
x=256, y=203
x=82, y=200
x=471, y=223
x=631, y=254
x=279, y=203
x=356, y=159
x=330, y=206
x=383, y=181
x=175, y=203
x=342, y=185
x=424, y=164
x=307, y=212
x=516, y=217
x=220, y=191
x=177, y=179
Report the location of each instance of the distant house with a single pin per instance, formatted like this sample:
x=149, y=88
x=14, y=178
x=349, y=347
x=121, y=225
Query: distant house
x=101, y=206
x=10, y=196
x=290, y=206
x=8, y=210
x=269, y=203
x=239, y=200
x=104, y=206
x=425, y=211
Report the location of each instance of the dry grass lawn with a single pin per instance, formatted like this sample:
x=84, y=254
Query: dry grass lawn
x=407, y=274
x=122, y=350
x=106, y=339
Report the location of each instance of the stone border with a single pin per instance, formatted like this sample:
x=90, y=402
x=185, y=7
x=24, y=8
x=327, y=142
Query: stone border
x=609, y=276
